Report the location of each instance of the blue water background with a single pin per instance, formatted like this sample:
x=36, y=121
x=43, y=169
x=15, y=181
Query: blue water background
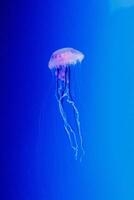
x=37, y=161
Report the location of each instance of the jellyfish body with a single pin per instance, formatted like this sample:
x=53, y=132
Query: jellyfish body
x=61, y=62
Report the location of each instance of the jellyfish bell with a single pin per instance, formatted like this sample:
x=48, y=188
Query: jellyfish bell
x=62, y=59
x=65, y=57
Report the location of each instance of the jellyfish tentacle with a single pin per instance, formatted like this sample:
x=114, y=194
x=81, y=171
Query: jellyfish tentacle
x=60, y=95
x=60, y=84
x=70, y=101
x=62, y=91
x=77, y=122
x=68, y=129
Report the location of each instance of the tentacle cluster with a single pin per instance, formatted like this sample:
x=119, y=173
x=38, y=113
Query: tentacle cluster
x=63, y=93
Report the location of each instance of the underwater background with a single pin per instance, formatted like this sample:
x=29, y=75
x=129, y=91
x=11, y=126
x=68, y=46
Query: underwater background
x=37, y=161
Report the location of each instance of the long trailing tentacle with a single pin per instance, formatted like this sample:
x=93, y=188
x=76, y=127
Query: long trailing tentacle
x=60, y=94
x=62, y=91
x=77, y=122
x=68, y=129
x=70, y=101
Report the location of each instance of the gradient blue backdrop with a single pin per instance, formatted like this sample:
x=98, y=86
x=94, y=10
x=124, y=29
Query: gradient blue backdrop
x=36, y=159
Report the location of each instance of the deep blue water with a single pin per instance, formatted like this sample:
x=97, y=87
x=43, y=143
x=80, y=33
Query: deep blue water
x=36, y=159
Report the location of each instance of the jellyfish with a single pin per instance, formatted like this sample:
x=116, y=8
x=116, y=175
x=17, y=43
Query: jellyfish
x=61, y=62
